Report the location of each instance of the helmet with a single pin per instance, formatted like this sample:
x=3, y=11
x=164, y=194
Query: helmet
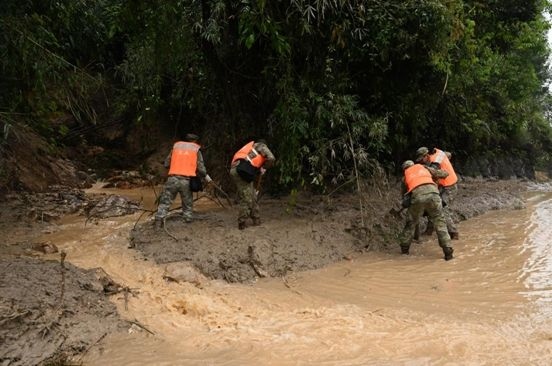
x=191, y=137
x=407, y=164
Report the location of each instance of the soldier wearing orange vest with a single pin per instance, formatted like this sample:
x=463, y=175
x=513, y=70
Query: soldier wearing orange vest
x=247, y=164
x=185, y=162
x=419, y=183
x=447, y=186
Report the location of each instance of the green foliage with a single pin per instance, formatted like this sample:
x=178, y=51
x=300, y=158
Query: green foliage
x=50, y=53
x=332, y=131
x=333, y=85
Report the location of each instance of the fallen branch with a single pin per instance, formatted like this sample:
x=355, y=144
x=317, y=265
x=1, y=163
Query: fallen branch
x=167, y=231
x=286, y=283
x=13, y=316
x=135, y=322
x=88, y=217
x=139, y=217
x=90, y=347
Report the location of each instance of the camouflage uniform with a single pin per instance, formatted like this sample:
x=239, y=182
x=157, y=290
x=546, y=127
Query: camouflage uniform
x=426, y=198
x=448, y=195
x=179, y=184
x=247, y=192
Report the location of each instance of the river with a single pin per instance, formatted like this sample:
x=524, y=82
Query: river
x=491, y=305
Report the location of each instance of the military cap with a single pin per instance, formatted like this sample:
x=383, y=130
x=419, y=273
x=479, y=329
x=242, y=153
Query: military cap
x=421, y=152
x=407, y=164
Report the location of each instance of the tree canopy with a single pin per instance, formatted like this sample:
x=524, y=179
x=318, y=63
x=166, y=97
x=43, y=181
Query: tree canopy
x=333, y=85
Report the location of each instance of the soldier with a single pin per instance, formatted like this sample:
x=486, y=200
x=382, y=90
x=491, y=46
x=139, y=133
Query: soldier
x=248, y=164
x=447, y=186
x=419, y=183
x=185, y=162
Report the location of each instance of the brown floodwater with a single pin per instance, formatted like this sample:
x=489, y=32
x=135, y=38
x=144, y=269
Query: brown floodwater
x=491, y=305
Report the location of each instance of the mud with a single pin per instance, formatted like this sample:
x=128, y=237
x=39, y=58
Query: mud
x=305, y=233
x=50, y=312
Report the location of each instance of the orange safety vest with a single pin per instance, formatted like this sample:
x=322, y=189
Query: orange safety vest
x=416, y=176
x=440, y=158
x=250, y=154
x=184, y=159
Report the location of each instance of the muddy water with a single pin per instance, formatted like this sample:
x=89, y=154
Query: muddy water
x=492, y=305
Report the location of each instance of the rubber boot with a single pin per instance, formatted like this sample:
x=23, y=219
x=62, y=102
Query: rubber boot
x=448, y=253
x=241, y=225
x=405, y=250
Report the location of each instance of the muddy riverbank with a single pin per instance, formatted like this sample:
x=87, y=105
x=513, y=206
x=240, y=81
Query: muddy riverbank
x=306, y=233
x=53, y=310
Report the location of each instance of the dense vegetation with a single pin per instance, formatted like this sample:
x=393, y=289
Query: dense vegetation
x=333, y=85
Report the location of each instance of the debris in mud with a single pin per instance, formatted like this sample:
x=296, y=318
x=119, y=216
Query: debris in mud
x=50, y=310
x=260, y=253
x=45, y=247
x=126, y=179
x=47, y=208
x=111, y=206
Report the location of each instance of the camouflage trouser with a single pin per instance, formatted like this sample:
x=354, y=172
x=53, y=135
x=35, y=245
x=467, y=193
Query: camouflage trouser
x=248, y=207
x=447, y=196
x=431, y=204
x=173, y=186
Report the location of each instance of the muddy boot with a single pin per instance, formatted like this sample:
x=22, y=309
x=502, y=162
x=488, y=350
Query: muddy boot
x=405, y=250
x=448, y=253
x=256, y=221
x=187, y=220
x=158, y=224
x=454, y=236
x=241, y=225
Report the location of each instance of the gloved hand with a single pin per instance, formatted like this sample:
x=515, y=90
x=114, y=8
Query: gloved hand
x=263, y=170
x=208, y=179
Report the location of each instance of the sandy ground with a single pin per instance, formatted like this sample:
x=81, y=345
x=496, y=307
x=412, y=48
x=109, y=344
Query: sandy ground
x=50, y=310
